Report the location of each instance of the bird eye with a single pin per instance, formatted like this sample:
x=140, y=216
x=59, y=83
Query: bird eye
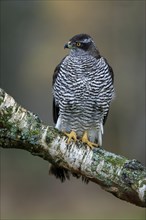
x=78, y=44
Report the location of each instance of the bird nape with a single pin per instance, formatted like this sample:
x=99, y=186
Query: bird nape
x=82, y=93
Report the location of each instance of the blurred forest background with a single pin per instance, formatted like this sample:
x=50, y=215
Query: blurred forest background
x=33, y=34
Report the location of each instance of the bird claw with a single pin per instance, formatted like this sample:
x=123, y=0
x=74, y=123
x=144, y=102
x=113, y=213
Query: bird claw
x=71, y=135
x=86, y=141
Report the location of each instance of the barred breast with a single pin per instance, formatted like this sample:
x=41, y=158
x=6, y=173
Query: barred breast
x=83, y=91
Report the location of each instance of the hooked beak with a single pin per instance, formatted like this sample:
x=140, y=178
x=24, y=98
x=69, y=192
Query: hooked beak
x=68, y=45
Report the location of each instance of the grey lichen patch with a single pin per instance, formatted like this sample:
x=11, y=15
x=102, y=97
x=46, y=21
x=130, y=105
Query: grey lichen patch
x=30, y=127
x=32, y=120
x=32, y=136
x=133, y=165
x=107, y=166
x=99, y=166
x=132, y=172
x=5, y=116
x=112, y=161
x=127, y=178
x=7, y=106
x=51, y=135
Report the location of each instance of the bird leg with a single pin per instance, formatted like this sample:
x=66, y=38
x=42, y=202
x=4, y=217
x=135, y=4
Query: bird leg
x=86, y=140
x=71, y=135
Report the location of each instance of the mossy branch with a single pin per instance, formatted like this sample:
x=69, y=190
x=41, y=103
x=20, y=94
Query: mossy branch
x=21, y=129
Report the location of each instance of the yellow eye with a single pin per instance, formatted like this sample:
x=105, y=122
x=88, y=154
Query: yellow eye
x=78, y=44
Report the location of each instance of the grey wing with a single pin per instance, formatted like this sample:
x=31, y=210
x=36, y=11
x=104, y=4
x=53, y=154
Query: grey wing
x=58, y=172
x=112, y=77
x=110, y=70
x=55, y=106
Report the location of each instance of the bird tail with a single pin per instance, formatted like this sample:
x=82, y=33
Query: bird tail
x=63, y=174
x=59, y=173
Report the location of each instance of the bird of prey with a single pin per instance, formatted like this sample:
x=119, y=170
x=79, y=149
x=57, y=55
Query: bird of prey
x=82, y=92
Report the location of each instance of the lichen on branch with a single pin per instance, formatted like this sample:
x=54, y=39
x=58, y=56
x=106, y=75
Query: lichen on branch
x=21, y=129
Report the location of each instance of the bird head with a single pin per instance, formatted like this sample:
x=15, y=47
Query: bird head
x=82, y=43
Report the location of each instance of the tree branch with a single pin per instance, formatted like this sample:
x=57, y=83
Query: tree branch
x=21, y=129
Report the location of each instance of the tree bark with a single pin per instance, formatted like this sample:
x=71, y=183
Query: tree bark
x=21, y=129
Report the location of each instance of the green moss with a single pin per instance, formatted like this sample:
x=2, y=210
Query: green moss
x=51, y=134
x=31, y=117
x=116, y=160
x=34, y=132
x=5, y=116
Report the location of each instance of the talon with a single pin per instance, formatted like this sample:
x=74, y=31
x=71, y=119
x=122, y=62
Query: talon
x=86, y=141
x=71, y=135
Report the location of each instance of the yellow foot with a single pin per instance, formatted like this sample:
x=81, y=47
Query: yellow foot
x=71, y=135
x=86, y=141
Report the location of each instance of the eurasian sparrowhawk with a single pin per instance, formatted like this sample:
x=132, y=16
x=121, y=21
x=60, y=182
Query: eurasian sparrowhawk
x=82, y=91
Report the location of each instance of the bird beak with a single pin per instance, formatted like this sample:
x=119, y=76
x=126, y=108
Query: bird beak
x=68, y=45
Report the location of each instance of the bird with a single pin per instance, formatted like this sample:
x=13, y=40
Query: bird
x=83, y=88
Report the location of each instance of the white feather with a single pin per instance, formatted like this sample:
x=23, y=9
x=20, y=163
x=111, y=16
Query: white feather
x=58, y=124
